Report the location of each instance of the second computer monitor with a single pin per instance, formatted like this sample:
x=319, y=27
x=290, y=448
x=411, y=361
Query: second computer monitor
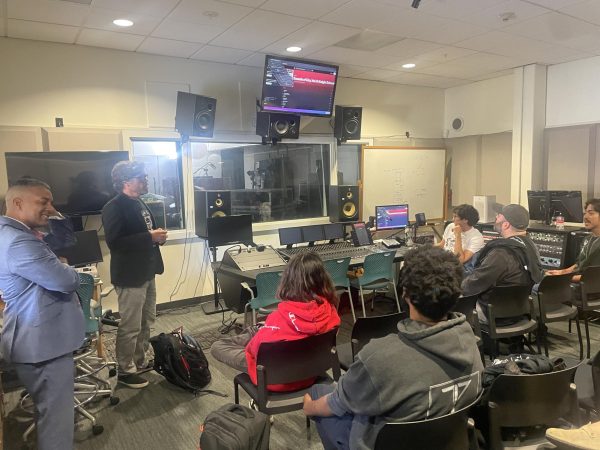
x=391, y=217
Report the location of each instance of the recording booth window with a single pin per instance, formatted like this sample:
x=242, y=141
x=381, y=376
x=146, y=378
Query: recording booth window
x=270, y=182
x=349, y=161
x=162, y=160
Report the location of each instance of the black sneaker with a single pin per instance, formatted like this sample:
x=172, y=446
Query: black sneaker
x=133, y=380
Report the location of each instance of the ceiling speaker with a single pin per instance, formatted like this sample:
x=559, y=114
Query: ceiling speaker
x=457, y=123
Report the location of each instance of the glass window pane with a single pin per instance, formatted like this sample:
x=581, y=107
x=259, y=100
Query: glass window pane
x=163, y=165
x=348, y=157
x=270, y=182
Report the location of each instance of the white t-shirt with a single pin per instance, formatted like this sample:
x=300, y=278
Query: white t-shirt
x=472, y=240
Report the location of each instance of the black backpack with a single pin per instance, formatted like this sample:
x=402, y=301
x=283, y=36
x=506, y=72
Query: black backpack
x=180, y=359
x=235, y=427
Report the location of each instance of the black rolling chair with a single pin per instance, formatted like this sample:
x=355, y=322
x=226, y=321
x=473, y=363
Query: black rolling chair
x=553, y=293
x=531, y=400
x=365, y=329
x=453, y=431
x=590, y=297
x=504, y=303
x=468, y=306
x=287, y=362
x=587, y=380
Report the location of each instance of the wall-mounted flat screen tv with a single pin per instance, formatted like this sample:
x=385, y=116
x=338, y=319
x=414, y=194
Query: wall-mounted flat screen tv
x=297, y=86
x=80, y=181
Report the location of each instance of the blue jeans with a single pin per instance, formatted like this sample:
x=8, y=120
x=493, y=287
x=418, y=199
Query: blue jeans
x=334, y=431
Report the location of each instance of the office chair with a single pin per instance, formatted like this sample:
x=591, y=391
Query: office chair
x=590, y=298
x=265, y=299
x=338, y=271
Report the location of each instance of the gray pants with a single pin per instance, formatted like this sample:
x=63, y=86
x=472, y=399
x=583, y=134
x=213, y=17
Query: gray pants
x=231, y=350
x=137, y=308
x=50, y=384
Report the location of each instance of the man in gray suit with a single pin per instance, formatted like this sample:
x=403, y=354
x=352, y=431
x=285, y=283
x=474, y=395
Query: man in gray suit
x=43, y=321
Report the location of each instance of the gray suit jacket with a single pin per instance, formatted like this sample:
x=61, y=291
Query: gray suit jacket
x=42, y=317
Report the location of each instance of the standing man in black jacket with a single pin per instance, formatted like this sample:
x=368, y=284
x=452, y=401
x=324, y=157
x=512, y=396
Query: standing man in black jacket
x=134, y=240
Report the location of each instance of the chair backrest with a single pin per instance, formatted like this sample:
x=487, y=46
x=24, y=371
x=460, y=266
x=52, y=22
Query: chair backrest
x=590, y=283
x=266, y=289
x=378, y=266
x=596, y=378
x=85, y=292
x=367, y=328
x=449, y=432
x=289, y=361
x=528, y=400
x=555, y=290
x=466, y=305
x=338, y=271
x=509, y=301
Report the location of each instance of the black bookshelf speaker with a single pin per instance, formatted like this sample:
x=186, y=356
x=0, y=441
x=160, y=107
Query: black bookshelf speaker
x=210, y=204
x=343, y=203
x=347, y=122
x=195, y=115
x=277, y=125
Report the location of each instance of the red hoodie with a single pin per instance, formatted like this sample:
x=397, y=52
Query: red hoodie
x=291, y=321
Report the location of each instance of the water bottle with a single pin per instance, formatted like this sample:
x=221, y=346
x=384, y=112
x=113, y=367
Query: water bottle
x=560, y=222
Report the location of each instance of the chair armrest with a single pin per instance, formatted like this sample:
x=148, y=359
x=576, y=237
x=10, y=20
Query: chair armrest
x=248, y=288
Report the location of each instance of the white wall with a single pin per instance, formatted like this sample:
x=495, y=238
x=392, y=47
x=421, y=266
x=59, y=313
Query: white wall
x=573, y=93
x=107, y=96
x=486, y=107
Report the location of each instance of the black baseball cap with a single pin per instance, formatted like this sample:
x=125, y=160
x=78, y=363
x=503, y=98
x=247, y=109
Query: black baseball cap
x=514, y=214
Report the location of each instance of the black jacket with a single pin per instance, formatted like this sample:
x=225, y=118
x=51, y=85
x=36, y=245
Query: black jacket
x=135, y=259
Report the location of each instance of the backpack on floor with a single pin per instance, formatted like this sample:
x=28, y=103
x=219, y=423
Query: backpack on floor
x=235, y=427
x=180, y=359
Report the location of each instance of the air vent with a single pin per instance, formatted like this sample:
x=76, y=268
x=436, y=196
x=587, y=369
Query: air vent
x=368, y=40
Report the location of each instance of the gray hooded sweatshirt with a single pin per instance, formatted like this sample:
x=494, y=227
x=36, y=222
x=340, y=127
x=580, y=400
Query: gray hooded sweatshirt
x=421, y=372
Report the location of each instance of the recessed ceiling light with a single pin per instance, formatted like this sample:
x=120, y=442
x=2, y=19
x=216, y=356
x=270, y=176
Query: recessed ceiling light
x=123, y=22
x=409, y=66
x=293, y=49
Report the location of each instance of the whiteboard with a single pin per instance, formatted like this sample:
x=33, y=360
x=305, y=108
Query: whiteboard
x=392, y=176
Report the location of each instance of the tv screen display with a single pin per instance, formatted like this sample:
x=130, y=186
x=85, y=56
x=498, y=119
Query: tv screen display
x=86, y=249
x=391, y=217
x=80, y=181
x=537, y=202
x=228, y=230
x=298, y=87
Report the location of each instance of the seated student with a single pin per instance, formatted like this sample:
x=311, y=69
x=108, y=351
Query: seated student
x=460, y=237
x=429, y=368
x=307, y=307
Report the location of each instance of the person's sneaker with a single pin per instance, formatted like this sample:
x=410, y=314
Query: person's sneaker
x=585, y=438
x=148, y=365
x=132, y=380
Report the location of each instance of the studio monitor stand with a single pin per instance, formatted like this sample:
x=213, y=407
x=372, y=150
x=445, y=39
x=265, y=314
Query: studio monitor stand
x=213, y=306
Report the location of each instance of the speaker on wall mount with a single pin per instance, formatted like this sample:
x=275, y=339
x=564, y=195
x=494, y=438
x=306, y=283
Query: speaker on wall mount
x=277, y=126
x=343, y=203
x=210, y=204
x=347, y=123
x=195, y=115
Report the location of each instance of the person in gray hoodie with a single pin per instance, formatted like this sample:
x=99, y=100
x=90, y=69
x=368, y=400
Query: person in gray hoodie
x=430, y=368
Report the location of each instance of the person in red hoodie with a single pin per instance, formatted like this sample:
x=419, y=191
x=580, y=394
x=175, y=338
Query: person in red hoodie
x=308, y=307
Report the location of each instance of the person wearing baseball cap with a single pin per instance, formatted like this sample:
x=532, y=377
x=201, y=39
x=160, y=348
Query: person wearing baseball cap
x=512, y=260
x=133, y=240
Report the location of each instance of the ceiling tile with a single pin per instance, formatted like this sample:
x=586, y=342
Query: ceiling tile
x=254, y=60
x=489, y=40
x=419, y=79
x=488, y=76
x=348, y=70
x=63, y=13
x=109, y=39
x=2, y=28
x=314, y=36
x=559, y=29
x=446, y=53
x=186, y=31
x=221, y=54
x=102, y=19
x=168, y=47
x=311, y=9
x=359, y=13
x=488, y=61
x=376, y=74
x=455, y=9
x=418, y=61
x=588, y=11
x=250, y=3
x=156, y=8
x=554, y=4
x=354, y=57
x=492, y=17
x=258, y=30
x=25, y=29
x=407, y=48
x=209, y=12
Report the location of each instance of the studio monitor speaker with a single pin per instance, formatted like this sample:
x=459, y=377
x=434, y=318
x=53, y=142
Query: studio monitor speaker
x=210, y=204
x=347, y=122
x=343, y=203
x=277, y=126
x=195, y=115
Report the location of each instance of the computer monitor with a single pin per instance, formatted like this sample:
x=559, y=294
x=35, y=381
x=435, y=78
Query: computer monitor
x=228, y=230
x=333, y=231
x=537, y=203
x=568, y=204
x=391, y=217
x=290, y=236
x=312, y=233
x=86, y=249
